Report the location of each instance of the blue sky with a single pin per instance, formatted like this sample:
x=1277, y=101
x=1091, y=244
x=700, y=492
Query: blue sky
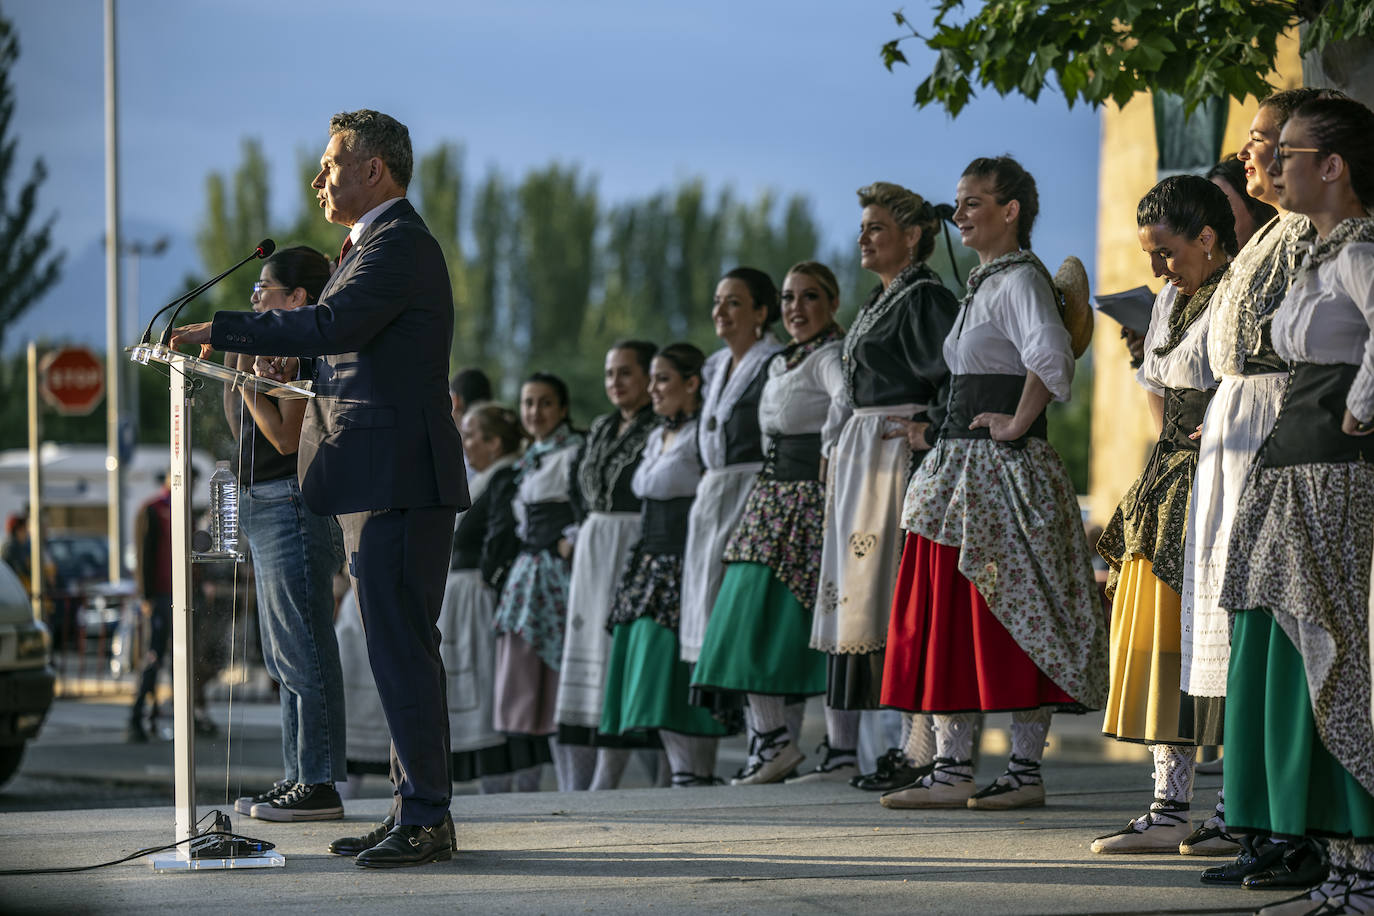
x=749, y=93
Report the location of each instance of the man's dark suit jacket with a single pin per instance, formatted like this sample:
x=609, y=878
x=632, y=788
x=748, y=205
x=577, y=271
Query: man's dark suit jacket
x=379, y=434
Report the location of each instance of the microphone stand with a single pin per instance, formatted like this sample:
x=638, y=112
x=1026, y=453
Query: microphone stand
x=262, y=251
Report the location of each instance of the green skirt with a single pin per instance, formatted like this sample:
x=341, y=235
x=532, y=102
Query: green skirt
x=758, y=638
x=647, y=684
x=1279, y=778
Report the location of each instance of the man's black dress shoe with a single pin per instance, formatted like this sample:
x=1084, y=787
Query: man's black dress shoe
x=1301, y=865
x=352, y=845
x=408, y=844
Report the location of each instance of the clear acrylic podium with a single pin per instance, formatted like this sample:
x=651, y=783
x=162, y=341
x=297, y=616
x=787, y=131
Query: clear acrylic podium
x=187, y=374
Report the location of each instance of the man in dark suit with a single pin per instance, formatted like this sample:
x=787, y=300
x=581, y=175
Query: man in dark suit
x=379, y=450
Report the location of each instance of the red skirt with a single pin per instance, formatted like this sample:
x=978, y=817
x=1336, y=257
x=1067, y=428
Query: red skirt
x=946, y=652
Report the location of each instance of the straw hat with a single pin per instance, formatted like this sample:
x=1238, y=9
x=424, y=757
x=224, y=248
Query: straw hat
x=1071, y=280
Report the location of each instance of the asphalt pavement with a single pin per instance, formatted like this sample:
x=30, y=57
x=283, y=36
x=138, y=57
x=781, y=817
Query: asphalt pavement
x=816, y=848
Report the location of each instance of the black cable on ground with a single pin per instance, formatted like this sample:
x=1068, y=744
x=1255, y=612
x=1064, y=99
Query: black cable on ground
x=223, y=835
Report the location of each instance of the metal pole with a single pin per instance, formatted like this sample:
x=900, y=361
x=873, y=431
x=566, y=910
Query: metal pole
x=114, y=361
x=35, y=488
x=183, y=705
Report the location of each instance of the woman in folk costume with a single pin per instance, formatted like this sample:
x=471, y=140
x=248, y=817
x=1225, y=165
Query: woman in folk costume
x=484, y=547
x=532, y=613
x=647, y=683
x=1186, y=226
x=892, y=364
x=745, y=307
x=1299, y=741
x=608, y=525
x=757, y=639
x=996, y=607
x=1251, y=381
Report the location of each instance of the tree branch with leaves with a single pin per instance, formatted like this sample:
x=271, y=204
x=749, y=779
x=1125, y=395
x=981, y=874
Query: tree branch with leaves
x=1109, y=51
x=28, y=265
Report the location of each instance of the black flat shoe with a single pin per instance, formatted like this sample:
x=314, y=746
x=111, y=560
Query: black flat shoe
x=352, y=845
x=1244, y=865
x=407, y=845
x=1300, y=865
x=893, y=772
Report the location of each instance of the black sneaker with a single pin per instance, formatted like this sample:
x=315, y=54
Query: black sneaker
x=279, y=788
x=317, y=802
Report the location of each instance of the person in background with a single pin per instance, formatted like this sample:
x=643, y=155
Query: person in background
x=295, y=555
x=532, y=613
x=647, y=682
x=16, y=552
x=1249, y=212
x=757, y=641
x=467, y=387
x=893, y=367
x=1185, y=227
x=484, y=547
x=153, y=577
x=608, y=526
x=743, y=312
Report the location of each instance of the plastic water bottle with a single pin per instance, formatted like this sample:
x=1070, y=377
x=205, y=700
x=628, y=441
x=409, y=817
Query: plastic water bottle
x=224, y=510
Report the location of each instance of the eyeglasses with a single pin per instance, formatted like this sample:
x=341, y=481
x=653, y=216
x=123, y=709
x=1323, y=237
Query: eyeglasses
x=1284, y=152
x=261, y=287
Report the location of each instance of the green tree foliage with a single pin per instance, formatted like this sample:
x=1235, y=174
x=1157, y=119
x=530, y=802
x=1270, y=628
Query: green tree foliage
x=440, y=190
x=477, y=332
x=1112, y=49
x=28, y=266
x=547, y=279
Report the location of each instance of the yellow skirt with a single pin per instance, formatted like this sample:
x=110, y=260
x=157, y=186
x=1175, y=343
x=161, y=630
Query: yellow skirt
x=1144, y=698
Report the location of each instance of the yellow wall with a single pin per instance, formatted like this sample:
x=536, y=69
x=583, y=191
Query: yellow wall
x=1122, y=430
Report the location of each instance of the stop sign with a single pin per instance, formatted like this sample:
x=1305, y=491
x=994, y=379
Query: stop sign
x=72, y=380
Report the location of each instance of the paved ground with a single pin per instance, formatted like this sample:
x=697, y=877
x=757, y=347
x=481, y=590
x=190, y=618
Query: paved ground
x=766, y=849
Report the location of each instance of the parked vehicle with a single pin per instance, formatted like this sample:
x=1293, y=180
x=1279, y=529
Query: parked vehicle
x=26, y=678
x=80, y=563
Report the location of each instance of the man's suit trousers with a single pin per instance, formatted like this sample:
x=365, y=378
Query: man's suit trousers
x=398, y=559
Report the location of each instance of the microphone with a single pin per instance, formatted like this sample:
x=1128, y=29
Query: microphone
x=264, y=250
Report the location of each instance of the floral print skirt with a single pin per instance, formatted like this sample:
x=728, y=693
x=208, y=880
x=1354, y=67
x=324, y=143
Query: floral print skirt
x=534, y=603
x=1013, y=515
x=781, y=528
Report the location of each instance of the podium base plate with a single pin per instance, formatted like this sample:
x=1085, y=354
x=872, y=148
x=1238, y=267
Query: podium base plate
x=180, y=861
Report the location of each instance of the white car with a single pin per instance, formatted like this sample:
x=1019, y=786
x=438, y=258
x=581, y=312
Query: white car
x=26, y=678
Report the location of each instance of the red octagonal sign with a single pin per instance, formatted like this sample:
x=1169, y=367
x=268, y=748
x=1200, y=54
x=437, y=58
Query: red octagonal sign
x=72, y=380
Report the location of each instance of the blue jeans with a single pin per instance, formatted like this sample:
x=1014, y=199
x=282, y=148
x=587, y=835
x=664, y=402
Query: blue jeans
x=295, y=556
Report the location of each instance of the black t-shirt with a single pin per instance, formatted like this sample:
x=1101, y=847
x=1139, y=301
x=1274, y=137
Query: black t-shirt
x=264, y=461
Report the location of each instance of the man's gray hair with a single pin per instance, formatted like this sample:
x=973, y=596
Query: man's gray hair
x=370, y=133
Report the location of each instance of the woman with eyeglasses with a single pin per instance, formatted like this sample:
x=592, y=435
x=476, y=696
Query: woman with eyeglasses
x=1251, y=381
x=1300, y=743
x=295, y=555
